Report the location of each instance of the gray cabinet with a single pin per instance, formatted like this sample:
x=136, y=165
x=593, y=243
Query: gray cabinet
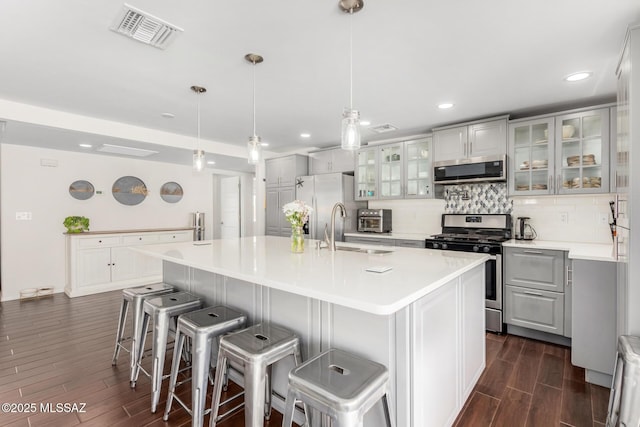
x=473, y=139
x=331, y=160
x=383, y=241
x=276, y=223
x=534, y=290
x=282, y=171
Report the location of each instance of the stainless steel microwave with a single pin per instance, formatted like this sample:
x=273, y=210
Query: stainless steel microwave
x=473, y=169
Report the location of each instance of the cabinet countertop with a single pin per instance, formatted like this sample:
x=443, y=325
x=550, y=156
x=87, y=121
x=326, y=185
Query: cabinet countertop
x=400, y=236
x=138, y=230
x=337, y=277
x=585, y=251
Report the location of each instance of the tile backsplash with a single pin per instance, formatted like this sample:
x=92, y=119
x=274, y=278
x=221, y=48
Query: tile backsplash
x=477, y=198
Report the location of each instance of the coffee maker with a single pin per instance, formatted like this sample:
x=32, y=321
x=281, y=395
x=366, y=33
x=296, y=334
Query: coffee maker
x=524, y=230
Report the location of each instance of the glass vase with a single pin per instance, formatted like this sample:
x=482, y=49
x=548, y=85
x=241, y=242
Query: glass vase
x=297, y=240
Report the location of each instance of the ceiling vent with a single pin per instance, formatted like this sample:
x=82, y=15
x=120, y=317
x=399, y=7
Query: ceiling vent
x=383, y=128
x=127, y=151
x=145, y=28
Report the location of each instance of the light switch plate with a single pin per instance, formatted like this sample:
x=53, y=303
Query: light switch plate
x=23, y=216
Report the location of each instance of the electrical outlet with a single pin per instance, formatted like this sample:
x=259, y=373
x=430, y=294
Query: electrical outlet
x=564, y=217
x=23, y=216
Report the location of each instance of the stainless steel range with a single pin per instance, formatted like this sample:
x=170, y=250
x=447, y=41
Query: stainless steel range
x=479, y=233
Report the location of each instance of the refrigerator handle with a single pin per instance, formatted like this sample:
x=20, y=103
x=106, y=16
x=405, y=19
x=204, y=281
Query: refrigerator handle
x=314, y=215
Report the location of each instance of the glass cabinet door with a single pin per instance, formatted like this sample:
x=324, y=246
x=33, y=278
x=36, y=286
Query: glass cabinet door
x=418, y=168
x=391, y=158
x=531, y=147
x=582, y=152
x=366, y=174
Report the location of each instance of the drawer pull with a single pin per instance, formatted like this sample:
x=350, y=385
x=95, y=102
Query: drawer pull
x=533, y=252
x=533, y=293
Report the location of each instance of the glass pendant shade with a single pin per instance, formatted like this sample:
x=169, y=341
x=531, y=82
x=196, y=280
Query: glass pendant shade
x=254, y=148
x=198, y=160
x=350, y=129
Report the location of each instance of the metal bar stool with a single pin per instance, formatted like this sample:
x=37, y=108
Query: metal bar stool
x=255, y=349
x=340, y=385
x=202, y=327
x=163, y=309
x=135, y=297
x=624, y=400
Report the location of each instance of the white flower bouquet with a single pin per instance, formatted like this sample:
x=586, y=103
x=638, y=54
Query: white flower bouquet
x=297, y=212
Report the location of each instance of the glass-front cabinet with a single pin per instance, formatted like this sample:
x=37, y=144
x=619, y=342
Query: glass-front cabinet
x=391, y=158
x=531, y=145
x=418, y=168
x=582, y=152
x=564, y=154
x=367, y=173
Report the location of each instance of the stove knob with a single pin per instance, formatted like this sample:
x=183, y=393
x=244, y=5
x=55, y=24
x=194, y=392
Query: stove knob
x=486, y=249
x=476, y=248
x=435, y=245
x=445, y=246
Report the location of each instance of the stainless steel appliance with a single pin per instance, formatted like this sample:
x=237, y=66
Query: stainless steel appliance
x=321, y=192
x=524, y=230
x=197, y=222
x=374, y=220
x=479, y=233
x=473, y=169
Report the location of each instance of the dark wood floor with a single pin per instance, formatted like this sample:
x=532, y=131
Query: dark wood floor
x=58, y=350
x=530, y=383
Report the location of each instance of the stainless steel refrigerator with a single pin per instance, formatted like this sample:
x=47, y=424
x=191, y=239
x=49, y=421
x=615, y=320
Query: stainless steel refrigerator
x=322, y=192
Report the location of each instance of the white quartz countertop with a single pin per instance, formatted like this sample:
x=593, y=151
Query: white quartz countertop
x=584, y=251
x=403, y=236
x=337, y=277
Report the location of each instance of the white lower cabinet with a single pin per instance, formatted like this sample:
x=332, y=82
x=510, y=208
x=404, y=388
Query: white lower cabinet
x=105, y=262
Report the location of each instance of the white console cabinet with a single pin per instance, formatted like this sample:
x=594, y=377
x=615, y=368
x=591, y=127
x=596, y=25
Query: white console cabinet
x=103, y=261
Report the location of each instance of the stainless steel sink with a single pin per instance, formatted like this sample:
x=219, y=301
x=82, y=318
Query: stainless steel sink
x=363, y=250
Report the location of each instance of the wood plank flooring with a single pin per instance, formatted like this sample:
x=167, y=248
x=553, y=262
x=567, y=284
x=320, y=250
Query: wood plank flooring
x=530, y=383
x=58, y=350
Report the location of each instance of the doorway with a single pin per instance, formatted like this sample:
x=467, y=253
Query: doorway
x=230, y=207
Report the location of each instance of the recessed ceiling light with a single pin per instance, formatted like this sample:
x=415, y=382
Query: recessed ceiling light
x=305, y=135
x=576, y=77
x=211, y=162
x=365, y=122
x=445, y=105
x=168, y=115
x=264, y=144
x=85, y=145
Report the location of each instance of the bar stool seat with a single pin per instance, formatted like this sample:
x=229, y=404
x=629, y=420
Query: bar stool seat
x=134, y=297
x=202, y=327
x=256, y=349
x=341, y=385
x=162, y=309
x=624, y=399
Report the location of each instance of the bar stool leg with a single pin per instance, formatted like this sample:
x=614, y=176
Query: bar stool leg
x=289, y=408
x=121, y=322
x=138, y=314
x=175, y=365
x=385, y=406
x=267, y=394
x=160, y=336
x=349, y=419
x=199, y=376
x=254, y=393
x=139, y=350
x=221, y=366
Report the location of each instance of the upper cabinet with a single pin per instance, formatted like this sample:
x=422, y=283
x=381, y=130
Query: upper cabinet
x=282, y=171
x=473, y=139
x=395, y=170
x=562, y=154
x=331, y=160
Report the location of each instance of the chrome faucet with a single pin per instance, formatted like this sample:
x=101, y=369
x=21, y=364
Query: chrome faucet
x=331, y=240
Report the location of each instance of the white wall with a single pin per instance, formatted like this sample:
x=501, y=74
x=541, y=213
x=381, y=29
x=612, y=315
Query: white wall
x=413, y=216
x=33, y=252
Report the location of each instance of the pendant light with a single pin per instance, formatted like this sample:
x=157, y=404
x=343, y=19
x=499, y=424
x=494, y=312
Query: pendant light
x=254, y=145
x=350, y=135
x=198, y=153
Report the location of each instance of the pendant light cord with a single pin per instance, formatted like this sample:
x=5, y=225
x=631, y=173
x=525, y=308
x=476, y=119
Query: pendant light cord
x=351, y=59
x=198, y=142
x=254, y=98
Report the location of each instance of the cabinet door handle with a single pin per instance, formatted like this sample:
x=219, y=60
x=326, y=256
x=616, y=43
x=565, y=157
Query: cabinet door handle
x=558, y=181
x=470, y=147
x=569, y=278
x=550, y=187
x=535, y=294
x=533, y=252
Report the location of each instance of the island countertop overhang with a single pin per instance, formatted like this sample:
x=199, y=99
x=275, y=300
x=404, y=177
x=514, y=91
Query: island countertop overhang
x=336, y=277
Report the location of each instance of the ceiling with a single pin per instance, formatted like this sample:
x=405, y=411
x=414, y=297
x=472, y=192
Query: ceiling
x=487, y=58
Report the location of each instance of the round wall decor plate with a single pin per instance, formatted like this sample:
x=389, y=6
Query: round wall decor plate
x=171, y=192
x=81, y=190
x=129, y=190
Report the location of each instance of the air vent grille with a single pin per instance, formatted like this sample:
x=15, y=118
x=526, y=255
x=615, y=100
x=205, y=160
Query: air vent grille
x=145, y=28
x=383, y=128
x=127, y=151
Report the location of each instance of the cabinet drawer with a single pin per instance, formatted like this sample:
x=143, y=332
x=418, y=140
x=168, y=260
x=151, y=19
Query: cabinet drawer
x=534, y=309
x=369, y=241
x=411, y=243
x=139, y=239
x=178, y=236
x=535, y=268
x=96, y=242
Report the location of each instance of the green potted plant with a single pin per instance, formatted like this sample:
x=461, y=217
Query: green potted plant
x=76, y=224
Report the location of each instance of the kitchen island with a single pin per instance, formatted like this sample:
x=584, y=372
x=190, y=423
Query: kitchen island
x=423, y=319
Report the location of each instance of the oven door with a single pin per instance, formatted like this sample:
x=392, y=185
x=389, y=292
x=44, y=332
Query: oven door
x=370, y=223
x=493, y=293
